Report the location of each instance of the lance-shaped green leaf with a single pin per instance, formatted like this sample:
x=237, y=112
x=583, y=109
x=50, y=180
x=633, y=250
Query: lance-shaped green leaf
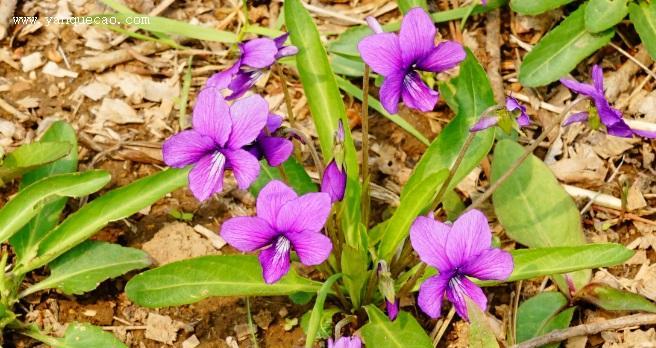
x=326, y=106
x=317, y=310
x=30, y=156
x=533, y=7
x=79, y=335
x=558, y=322
x=480, y=332
x=192, y=280
x=398, y=227
x=404, y=332
x=534, y=313
x=561, y=50
x=48, y=217
x=643, y=17
x=29, y=201
x=407, y=5
x=473, y=96
x=114, y=205
x=603, y=14
x=612, y=299
x=355, y=266
x=82, y=268
x=297, y=177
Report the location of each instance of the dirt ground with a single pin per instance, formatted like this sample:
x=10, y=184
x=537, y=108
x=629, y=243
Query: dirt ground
x=125, y=110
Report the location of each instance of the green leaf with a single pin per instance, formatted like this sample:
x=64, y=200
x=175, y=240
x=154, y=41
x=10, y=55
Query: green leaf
x=297, y=177
x=643, y=16
x=317, y=311
x=480, y=333
x=533, y=7
x=532, y=206
x=325, y=325
x=80, y=335
x=192, y=280
x=29, y=201
x=612, y=299
x=399, y=224
x=603, y=14
x=114, y=205
x=326, y=106
x=534, y=313
x=346, y=65
x=561, y=50
x=407, y=5
x=48, y=217
x=404, y=332
x=82, y=268
x=560, y=321
x=356, y=92
x=355, y=267
x=30, y=156
x=473, y=97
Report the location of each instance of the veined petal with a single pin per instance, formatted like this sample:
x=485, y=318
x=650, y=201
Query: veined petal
x=431, y=293
x=491, y=264
x=275, y=150
x=382, y=53
x=484, y=122
x=345, y=342
x=469, y=236
x=271, y=198
x=312, y=248
x=598, y=78
x=258, y=53
x=445, y=56
x=577, y=117
x=185, y=148
x=390, y=92
x=580, y=88
x=242, y=82
x=334, y=182
x=461, y=287
x=417, y=36
x=249, y=116
x=206, y=178
x=307, y=213
x=416, y=94
x=245, y=167
x=247, y=233
x=211, y=116
x=428, y=238
x=273, y=122
x=222, y=79
x=280, y=40
x=275, y=260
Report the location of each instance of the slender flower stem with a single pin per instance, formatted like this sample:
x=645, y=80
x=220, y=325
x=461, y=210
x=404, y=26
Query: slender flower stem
x=251, y=327
x=453, y=170
x=518, y=162
x=288, y=97
x=365, y=147
x=318, y=164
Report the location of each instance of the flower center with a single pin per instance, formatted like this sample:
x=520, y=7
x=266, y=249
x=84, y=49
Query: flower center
x=282, y=246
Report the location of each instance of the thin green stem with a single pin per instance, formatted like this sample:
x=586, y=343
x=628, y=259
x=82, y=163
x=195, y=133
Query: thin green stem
x=39, y=336
x=251, y=327
x=288, y=97
x=365, y=147
x=453, y=170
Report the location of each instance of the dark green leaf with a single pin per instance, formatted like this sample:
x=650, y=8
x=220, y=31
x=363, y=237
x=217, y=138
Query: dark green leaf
x=317, y=311
x=404, y=332
x=612, y=299
x=561, y=50
x=643, y=16
x=533, y=7
x=192, y=280
x=534, y=313
x=297, y=177
x=560, y=321
x=603, y=14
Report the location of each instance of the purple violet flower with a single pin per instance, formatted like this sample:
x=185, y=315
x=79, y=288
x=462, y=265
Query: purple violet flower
x=601, y=113
x=257, y=55
x=274, y=149
x=334, y=181
x=513, y=115
x=284, y=222
x=216, y=142
x=392, y=309
x=399, y=58
x=458, y=251
x=345, y=342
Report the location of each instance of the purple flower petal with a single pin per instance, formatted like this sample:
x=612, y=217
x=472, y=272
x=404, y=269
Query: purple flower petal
x=445, y=56
x=275, y=260
x=431, y=293
x=307, y=213
x=286, y=52
x=577, y=117
x=580, y=88
x=312, y=248
x=345, y=342
x=222, y=79
x=523, y=120
x=334, y=182
x=271, y=198
x=258, y=53
x=249, y=116
x=280, y=40
x=644, y=133
x=392, y=309
x=469, y=236
x=273, y=122
x=491, y=264
x=484, y=2
x=373, y=24
x=390, y=92
x=242, y=82
x=619, y=129
x=484, y=122
x=428, y=238
x=382, y=53
x=458, y=288
x=246, y=233
x=417, y=36
x=598, y=78
x=211, y=116
x=276, y=150
x=245, y=167
x=206, y=178
x=416, y=94
x=185, y=148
